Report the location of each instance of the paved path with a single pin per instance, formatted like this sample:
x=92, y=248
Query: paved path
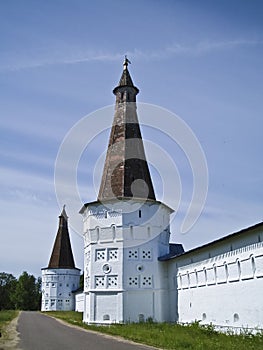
x=40, y=332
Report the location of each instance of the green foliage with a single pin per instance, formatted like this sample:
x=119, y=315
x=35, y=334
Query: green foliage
x=81, y=281
x=6, y=316
x=27, y=292
x=23, y=294
x=7, y=289
x=171, y=336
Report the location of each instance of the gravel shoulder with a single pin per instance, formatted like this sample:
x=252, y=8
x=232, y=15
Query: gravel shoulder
x=10, y=336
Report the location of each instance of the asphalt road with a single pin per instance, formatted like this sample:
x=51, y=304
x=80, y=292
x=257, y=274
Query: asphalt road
x=40, y=332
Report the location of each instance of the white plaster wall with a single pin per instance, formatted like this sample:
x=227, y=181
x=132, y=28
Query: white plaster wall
x=113, y=222
x=147, y=278
x=79, y=302
x=139, y=305
x=87, y=310
x=247, y=237
x=102, y=264
x=57, y=287
x=111, y=234
x=225, y=290
x=108, y=307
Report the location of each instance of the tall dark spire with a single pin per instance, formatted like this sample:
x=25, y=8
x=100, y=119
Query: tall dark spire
x=62, y=256
x=126, y=173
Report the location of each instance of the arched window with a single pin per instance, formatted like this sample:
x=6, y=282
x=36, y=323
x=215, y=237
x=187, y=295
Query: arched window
x=113, y=227
x=188, y=279
x=236, y=317
x=149, y=231
x=98, y=232
x=141, y=318
x=205, y=275
x=180, y=281
x=226, y=270
x=239, y=269
x=196, y=277
x=106, y=317
x=215, y=272
x=253, y=265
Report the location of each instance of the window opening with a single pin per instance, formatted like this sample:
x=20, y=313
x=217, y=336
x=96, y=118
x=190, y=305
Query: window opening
x=236, y=317
x=141, y=318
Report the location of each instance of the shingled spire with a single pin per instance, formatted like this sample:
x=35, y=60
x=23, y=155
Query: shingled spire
x=126, y=173
x=62, y=256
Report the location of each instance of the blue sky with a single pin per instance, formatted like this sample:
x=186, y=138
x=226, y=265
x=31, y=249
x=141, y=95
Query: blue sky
x=60, y=60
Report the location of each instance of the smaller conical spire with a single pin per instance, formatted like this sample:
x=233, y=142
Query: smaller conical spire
x=62, y=256
x=63, y=216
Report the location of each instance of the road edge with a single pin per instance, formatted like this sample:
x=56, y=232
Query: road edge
x=10, y=339
x=108, y=336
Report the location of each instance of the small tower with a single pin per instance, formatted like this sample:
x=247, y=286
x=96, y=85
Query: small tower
x=126, y=230
x=61, y=277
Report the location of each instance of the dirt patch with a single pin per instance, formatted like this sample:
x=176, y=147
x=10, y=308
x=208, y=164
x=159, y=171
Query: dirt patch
x=10, y=336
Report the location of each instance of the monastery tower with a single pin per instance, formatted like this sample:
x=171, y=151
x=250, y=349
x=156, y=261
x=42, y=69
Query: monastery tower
x=61, y=277
x=126, y=230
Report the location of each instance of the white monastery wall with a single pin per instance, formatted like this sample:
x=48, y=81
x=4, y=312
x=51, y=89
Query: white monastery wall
x=57, y=287
x=79, y=302
x=243, y=239
x=225, y=290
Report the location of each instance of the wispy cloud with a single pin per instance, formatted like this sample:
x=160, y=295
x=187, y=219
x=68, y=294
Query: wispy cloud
x=47, y=57
x=205, y=47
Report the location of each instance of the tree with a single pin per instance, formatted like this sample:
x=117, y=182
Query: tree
x=27, y=293
x=7, y=288
x=81, y=281
x=39, y=292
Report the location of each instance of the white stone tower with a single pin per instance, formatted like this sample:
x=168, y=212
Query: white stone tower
x=61, y=277
x=126, y=230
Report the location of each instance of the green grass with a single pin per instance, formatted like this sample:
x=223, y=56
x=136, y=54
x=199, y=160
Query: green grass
x=6, y=316
x=171, y=336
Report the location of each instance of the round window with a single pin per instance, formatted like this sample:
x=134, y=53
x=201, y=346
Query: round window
x=106, y=268
x=139, y=268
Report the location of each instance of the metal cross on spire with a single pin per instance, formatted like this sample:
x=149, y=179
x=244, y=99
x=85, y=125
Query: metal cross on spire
x=126, y=62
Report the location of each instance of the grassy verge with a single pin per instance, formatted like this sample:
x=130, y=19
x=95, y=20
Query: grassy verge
x=171, y=336
x=6, y=316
